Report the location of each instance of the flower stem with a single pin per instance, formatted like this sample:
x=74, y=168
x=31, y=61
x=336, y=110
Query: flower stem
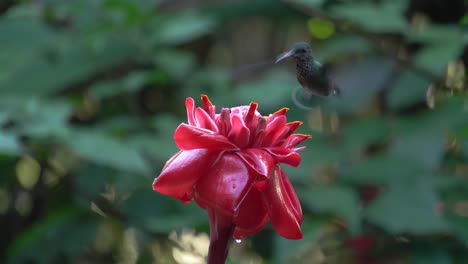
x=221, y=229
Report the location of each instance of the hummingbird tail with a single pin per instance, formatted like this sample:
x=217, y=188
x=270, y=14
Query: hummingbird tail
x=336, y=91
x=297, y=101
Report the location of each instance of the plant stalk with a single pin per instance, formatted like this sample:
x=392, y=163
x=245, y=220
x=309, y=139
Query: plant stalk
x=221, y=230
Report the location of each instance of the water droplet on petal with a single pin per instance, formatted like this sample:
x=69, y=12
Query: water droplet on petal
x=238, y=241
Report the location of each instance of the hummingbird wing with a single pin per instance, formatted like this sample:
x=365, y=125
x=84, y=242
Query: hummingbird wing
x=326, y=71
x=318, y=81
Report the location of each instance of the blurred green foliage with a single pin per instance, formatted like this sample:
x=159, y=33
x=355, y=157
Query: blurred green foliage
x=92, y=90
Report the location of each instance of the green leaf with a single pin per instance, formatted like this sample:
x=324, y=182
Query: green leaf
x=436, y=34
x=107, y=151
x=214, y=81
x=409, y=204
x=176, y=63
x=182, y=27
x=128, y=84
x=160, y=147
x=166, y=123
x=63, y=66
x=92, y=179
x=385, y=169
x=363, y=132
x=343, y=45
x=425, y=149
x=433, y=256
x=421, y=137
x=70, y=230
x=27, y=34
x=455, y=194
x=269, y=91
x=9, y=144
x=288, y=250
x=160, y=213
x=309, y=3
x=465, y=148
x=459, y=226
x=38, y=118
x=359, y=81
x=443, y=119
x=338, y=200
x=436, y=56
x=383, y=17
x=216, y=78
x=320, y=152
x=121, y=125
x=410, y=88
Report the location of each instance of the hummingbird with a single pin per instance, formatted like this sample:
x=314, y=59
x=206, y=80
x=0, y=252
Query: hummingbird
x=311, y=73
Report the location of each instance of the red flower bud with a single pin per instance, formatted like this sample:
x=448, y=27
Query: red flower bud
x=229, y=164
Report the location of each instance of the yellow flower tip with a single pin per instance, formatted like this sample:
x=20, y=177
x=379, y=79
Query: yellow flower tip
x=298, y=123
x=304, y=135
x=254, y=105
x=282, y=111
x=252, y=108
x=206, y=100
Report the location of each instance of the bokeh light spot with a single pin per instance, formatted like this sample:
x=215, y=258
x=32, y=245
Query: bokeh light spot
x=23, y=203
x=27, y=172
x=320, y=28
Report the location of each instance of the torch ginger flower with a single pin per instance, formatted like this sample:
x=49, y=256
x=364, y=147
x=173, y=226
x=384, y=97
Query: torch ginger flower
x=229, y=164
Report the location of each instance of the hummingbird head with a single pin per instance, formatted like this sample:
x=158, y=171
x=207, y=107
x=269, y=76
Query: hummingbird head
x=298, y=50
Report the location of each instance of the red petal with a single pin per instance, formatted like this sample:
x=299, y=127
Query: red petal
x=274, y=127
x=189, y=137
x=208, y=106
x=224, y=186
x=252, y=215
x=223, y=121
x=284, y=208
x=295, y=139
x=288, y=129
x=190, y=106
x=286, y=156
x=280, y=112
x=204, y=120
x=239, y=132
x=250, y=120
x=259, y=133
x=259, y=160
x=182, y=171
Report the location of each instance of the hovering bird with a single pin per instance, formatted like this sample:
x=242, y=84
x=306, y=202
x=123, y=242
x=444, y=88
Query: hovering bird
x=311, y=74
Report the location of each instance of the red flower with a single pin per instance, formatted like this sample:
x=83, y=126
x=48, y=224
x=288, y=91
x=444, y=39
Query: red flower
x=362, y=246
x=228, y=163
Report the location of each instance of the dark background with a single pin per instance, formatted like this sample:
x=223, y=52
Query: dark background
x=92, y=90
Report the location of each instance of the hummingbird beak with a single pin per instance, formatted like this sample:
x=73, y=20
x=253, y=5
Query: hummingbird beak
x=284, y=55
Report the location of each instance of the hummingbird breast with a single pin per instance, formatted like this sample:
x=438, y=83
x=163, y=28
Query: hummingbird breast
x=312, y=76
